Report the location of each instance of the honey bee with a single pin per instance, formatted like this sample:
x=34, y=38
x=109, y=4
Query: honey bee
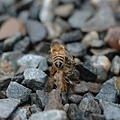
x=63, y=66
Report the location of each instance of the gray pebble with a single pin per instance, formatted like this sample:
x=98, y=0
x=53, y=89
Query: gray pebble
x=75, y=98
x=77, y=19
x=34, y=108
x=108, y=91
x=34, y=78
x=36, y=31
x=33, y=61
x=43, y=97
x=23, y=45
x=49, y=115
x=115, y=65
x=18, y=91
x=7, y=106
x=76, y=49
x=71, y=36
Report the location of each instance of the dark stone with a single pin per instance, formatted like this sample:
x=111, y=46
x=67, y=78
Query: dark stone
x=18, y=91
x=7, y=106
x=23, y=45
x=34, y=78
x=94, y=116
x=43, y=97
x=34, y=109
x=108, y=92
x=75, y=98
x=72, y=110
x=87, y=72
x=9, y=43
x=71, y=36
x=12, y=57
x=34, y=11
x=36, y=31
x=4, y=17
x=76, y=49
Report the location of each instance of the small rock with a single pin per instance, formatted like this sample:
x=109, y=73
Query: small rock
x=54, y=100
x=18, y=91
x=33, y=61
x=112, y=37
x=81, y=115
x=21, y=114
x=71, y=36
x=23, y=45
x=101, y=61
x=46, y=13
x=11, y=27
x=91, y=36
x=64, y=10
x=65, y=107
x=103, y=51
x=93, y=87
x=80, y=88
x=117, y=85
x=34, y=11
x=97, y=43
x=43, y=97
x=102, y=20
x=34, y=78
x=72, y=111
x=12, y=57
x=76, y=49
x=87, y=72
x=77, y=19
x=33, y=28
x=9, y=43
x=115, y=65
x=42, y=47
x=7, y=3
x=49, y=115
x=94, y=116
x=75, y=98
x=56, y=28
x=7, y=106
x=89, y=105
x=23, y=16
x=34, y=109
x=108, y=91
x=111, y=111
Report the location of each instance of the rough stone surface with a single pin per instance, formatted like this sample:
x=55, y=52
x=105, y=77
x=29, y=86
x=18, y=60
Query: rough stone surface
x=36, y=31
x=43, y=97
x=49, y=115
x=80, y=88
x=33, y=61
x=7, y=106
x=54, y=100
x=18, y=91
x=89, y=105
x=108, y=91
x=76, y=49
x=34, y=78
x=15, y=25
x=75, y=98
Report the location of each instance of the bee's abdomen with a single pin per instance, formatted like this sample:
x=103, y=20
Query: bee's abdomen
x=58, y=61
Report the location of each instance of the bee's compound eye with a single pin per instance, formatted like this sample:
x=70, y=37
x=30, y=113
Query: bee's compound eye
x=58, y=64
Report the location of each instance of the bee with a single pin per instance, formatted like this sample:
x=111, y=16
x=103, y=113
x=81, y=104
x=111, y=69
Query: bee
x=63, y=65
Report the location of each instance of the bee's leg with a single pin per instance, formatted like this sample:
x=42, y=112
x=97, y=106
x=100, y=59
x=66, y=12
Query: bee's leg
x=52, y=71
